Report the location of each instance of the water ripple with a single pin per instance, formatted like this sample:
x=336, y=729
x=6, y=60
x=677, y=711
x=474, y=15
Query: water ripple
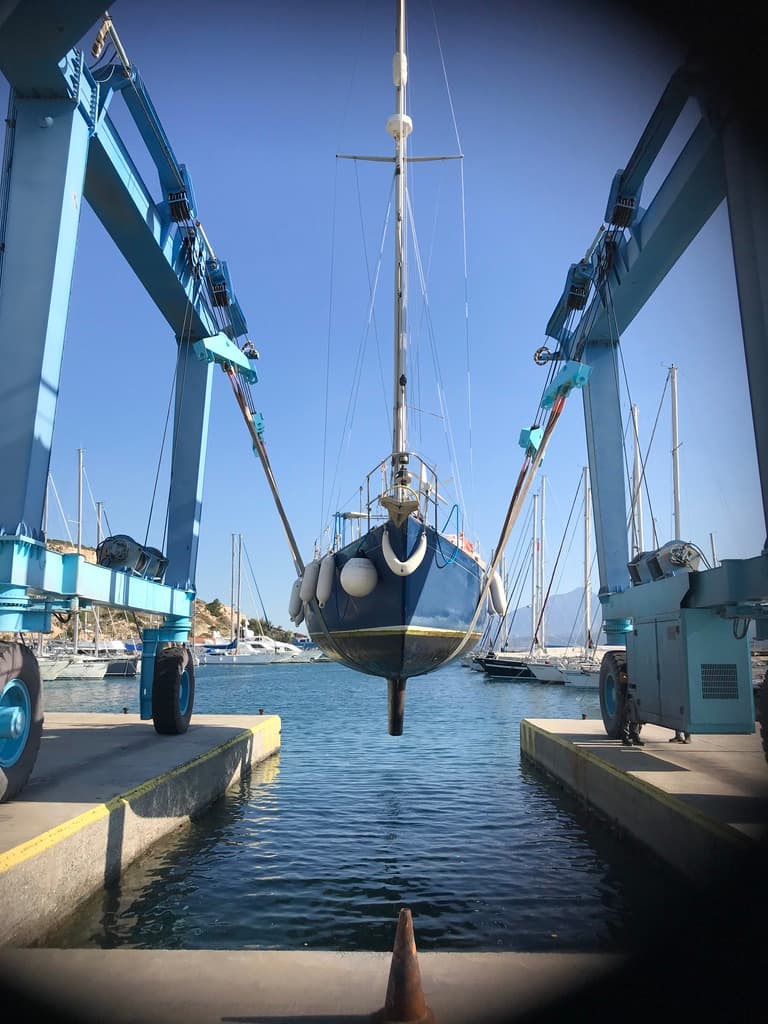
x=329, y=838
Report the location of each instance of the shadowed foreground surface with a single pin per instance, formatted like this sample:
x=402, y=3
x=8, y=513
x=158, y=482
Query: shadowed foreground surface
x=709, y=959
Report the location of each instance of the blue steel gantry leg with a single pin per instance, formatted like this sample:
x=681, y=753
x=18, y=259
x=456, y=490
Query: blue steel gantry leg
x=746, y=168
x=605, y=448
x=747, y=190
x=48, y=150
x=194, y=378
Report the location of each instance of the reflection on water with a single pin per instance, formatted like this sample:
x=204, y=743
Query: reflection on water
x=327, y=840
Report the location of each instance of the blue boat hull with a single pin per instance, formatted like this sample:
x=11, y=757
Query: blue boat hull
x=408, y=625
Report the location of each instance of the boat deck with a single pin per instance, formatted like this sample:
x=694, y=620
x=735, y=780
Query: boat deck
x=104, y=788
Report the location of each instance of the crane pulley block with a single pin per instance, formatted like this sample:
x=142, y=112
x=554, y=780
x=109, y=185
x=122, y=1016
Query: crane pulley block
x=623, y=204
x=575, y=295
x=530, y=439
x=181, y=201
x=572, y=375
x=219, y=283
x=577, y=284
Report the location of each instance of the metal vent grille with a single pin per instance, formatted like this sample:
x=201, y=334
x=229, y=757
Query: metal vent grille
x=719, y=682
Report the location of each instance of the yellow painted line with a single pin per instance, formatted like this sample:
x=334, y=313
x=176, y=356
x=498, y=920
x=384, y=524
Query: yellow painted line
x=46, y=840
x=402, y=631
x=671, y=802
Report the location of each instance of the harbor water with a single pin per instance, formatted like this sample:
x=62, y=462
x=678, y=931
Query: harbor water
x=329, y=838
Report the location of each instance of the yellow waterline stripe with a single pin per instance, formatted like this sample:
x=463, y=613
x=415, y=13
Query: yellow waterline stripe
x=401, y=631
x=32, y=847
x=673, y=803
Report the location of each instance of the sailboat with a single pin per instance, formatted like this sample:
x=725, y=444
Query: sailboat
x=245, y=647
x=402, y=597
x=583, y=670
x=537, y=663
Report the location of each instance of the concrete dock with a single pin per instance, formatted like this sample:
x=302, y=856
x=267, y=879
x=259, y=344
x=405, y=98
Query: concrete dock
x=104, y=788
x=80, y=821
x=186, y=986
x=699, y=806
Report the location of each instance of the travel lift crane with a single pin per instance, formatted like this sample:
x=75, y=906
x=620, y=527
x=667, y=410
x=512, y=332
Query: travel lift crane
x=62, y=146
x=687, y=663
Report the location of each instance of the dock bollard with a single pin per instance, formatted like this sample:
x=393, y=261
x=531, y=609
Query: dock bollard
x=404, y=1002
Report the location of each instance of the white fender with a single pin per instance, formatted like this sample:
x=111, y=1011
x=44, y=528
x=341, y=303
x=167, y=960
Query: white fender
x=295, y=607
x=325, y=579
x=410, y=564
x=498, y=598
x=309, y=581
x=358, y=577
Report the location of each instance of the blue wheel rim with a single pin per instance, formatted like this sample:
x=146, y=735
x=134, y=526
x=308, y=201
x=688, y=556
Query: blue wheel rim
x=184, y=692
x=610, y=696
x=15, y=696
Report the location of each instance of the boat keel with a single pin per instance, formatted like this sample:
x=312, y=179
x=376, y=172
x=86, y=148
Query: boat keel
x=396, y=705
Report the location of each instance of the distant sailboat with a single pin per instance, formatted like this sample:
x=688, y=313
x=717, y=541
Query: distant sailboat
x=402, y=598
x=583, y=670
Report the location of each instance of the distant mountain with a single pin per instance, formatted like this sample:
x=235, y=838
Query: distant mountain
x=564, y=621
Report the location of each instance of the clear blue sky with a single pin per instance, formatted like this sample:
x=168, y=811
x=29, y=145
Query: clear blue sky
x=257, y=99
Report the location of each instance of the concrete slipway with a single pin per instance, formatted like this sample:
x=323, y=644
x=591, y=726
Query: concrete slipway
x=697, y=805
x=105, y=788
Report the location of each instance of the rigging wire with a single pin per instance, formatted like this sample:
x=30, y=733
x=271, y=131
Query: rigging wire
x=520, y=561
x=464, y=249
x=162, y=443
x=645, y=460
x=328, y=345
x=256, y=585
x=559, y=581
x=534, y=638
x=179, y=389
x=354, y=392
x=372, y=287
x=414, y=339
x=619, y=359
x=64, y=519
x=93, y=501
x=442, y=399
x=520, y=579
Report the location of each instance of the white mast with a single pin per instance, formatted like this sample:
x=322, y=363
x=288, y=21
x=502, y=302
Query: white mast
x=535, y=569
x=542, y=637
x=587, y=557
x=76, y=601
x=399, y=127
x=232, y=594
x=675, y=452
x=239, y=557
x=638, y=543
x=96, y=623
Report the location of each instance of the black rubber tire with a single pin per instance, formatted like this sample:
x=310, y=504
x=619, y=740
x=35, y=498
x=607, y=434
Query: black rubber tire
x=613, y=692
x=18, y=662
x=761, y=709
x=174, y=669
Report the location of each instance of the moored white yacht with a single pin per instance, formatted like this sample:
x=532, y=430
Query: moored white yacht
x=256, y=649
